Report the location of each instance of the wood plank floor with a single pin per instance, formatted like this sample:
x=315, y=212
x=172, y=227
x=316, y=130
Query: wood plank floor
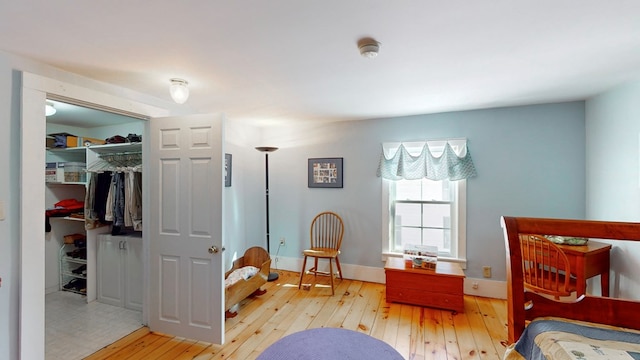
x=416, y=332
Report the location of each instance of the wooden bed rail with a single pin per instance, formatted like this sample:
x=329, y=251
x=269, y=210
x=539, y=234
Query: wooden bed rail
x=616, y=312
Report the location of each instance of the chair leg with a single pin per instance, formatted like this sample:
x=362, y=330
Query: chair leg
x=331, y=275
x=304, y=265
x=315, y=267
x=339, y=269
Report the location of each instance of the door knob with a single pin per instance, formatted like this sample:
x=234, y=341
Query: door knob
x=213, y=250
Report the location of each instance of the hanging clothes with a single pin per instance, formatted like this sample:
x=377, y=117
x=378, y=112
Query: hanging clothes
x=95, y=199
x=108, y=204
x=135, y=204
x=119, y=198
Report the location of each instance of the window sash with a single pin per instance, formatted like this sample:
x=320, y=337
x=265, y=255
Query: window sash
x=458, y=222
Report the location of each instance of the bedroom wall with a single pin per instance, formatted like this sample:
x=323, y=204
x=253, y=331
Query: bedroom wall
x=243, y=206
x=516, y=150
x=529, y=159
x=613, y=175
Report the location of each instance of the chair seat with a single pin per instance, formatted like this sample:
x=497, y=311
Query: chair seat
x=321, y=252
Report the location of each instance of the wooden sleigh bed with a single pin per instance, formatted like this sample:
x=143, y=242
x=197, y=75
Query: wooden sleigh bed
x=245, y=277
x=541, y=326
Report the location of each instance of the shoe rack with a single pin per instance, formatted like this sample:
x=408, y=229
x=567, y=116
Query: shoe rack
x=73, y=269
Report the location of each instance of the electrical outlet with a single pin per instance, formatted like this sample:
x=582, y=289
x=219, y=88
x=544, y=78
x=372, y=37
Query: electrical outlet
x=486, y=271
x=282, y=241
x=475, y=285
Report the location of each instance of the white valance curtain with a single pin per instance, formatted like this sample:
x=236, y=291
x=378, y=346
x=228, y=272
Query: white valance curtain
x=434, y=160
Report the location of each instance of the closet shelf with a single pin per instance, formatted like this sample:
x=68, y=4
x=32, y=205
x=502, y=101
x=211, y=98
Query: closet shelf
x=107, y=148
x=73, y=218
x=122, y=147
x=78, y=149
x=49, y=183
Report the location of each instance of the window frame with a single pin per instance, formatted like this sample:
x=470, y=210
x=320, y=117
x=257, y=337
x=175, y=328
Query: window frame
x=458, y=231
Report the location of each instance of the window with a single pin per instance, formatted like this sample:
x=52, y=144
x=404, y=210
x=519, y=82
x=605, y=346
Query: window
x=424, y=212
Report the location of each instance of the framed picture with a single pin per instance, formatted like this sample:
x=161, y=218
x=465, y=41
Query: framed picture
x=325, y=173
x=227, y=170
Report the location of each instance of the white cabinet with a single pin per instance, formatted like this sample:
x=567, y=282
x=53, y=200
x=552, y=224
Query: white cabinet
x=120, y=270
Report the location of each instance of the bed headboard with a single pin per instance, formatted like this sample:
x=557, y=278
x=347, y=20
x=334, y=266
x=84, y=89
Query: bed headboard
x=617, y=312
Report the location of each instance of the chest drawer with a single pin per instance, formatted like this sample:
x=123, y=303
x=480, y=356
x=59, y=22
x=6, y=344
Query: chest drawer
x=431, y=283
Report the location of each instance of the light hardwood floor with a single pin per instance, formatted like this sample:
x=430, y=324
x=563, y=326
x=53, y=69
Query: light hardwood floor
x=416, y=332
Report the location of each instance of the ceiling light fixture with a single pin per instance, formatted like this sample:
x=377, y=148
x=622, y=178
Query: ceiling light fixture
x=179, y=90
x=368, y=47
x=49, y=109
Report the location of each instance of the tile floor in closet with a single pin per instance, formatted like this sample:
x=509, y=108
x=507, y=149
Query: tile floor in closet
x=75, y=329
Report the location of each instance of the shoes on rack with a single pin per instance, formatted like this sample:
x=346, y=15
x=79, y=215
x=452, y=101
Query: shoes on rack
x=78, y=253
x=71, y=284
x=81, y=285
x=77, y=285
x=82, y=270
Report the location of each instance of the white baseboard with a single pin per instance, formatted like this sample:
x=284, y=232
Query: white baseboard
x=354, y=272
x=485, y=288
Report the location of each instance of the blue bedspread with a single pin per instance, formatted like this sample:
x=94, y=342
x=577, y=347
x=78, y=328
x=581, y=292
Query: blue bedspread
x=558, y=339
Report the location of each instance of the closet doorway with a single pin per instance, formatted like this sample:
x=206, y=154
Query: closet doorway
x=94, y=266
x=204, y=133
x=35, y=90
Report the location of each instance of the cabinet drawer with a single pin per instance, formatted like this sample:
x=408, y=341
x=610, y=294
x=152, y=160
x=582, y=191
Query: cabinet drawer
x=429, y=282
x=418, y=297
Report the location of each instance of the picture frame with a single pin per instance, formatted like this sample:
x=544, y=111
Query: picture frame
x=325, y=173
x=227, y=170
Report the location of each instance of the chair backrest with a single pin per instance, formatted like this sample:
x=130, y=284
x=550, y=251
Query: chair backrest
x=327, y=230
x=545, y=266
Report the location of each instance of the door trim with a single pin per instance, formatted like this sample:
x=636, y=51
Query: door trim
x=35, y=89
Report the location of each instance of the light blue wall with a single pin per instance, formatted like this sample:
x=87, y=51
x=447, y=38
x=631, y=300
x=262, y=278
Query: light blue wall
x=530, y=162
x=613, y=175
x=529, y=159
x=242, y=215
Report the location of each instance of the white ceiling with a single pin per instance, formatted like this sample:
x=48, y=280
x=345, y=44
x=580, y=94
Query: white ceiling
x=275, y=61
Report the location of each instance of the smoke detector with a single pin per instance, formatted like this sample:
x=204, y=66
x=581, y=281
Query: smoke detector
x=368, y=47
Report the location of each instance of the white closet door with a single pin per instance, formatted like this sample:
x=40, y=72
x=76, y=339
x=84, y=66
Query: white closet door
x=186, y=163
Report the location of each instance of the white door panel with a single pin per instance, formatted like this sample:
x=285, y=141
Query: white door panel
x=187, y=289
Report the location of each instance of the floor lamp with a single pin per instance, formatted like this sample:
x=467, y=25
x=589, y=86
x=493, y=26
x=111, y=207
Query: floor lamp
x=266, y=150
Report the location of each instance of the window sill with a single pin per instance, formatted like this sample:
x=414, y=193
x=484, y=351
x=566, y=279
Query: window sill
x=462, y=262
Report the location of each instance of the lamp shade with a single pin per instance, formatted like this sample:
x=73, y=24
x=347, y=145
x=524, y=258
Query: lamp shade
x=179, y=90
x=49, y=109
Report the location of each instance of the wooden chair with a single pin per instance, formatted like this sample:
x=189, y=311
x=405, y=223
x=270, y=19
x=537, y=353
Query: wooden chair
x=545, y=267
x=327, y=230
